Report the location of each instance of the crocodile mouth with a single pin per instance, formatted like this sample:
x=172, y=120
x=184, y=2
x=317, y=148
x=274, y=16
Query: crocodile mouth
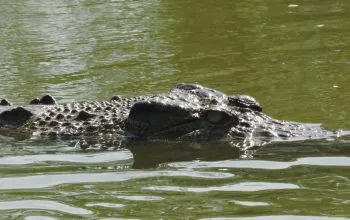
x=149, y=120
x=154, y=120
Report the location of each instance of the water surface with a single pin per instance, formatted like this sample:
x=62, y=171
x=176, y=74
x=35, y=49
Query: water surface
x=292, y=56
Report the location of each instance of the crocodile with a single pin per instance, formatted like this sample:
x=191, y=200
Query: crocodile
x=188, y=112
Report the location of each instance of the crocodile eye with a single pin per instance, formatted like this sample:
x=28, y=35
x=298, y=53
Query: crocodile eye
x=216, y=117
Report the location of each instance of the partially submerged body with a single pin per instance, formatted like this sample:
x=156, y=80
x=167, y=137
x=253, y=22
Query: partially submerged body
x=188, y=112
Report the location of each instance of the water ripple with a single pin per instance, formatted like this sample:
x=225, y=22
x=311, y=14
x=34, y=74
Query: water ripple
x=106, y=205
x=263, y=164
x=42, y=181
x=38, y=217
x=242, y=187
x=278, y=217
x=73, y=158
x=43, y=204
x=140, y=198
x=250, y=203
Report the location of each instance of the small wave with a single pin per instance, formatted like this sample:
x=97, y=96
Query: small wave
x=72, y=158
x=264, y=164
x=250, y=203
x=141, y=198
x=106, y=205
x=242, y=187
x=39, y=217
x=43, y=181
x=279, y=217
x=43, y=204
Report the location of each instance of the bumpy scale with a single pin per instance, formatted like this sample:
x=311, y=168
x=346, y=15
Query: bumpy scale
x=188, y=112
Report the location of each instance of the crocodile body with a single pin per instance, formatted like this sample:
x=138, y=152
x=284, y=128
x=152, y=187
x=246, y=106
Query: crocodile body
x=187, y=112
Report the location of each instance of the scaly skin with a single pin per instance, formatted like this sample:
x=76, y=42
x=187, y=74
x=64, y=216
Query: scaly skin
x=188, y=112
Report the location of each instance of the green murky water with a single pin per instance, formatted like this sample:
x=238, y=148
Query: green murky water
x=293, y=56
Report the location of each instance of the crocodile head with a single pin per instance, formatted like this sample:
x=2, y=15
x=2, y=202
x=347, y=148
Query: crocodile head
x=192, y=112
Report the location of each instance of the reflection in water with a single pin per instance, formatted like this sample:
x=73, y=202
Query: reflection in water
x=193, y=155
x=151, y=154
x=43, y=204
x=78, y=50
x=241, y=187
x=222, y=154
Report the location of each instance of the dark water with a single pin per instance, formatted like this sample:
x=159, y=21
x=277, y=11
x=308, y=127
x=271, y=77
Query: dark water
x=293, y=56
